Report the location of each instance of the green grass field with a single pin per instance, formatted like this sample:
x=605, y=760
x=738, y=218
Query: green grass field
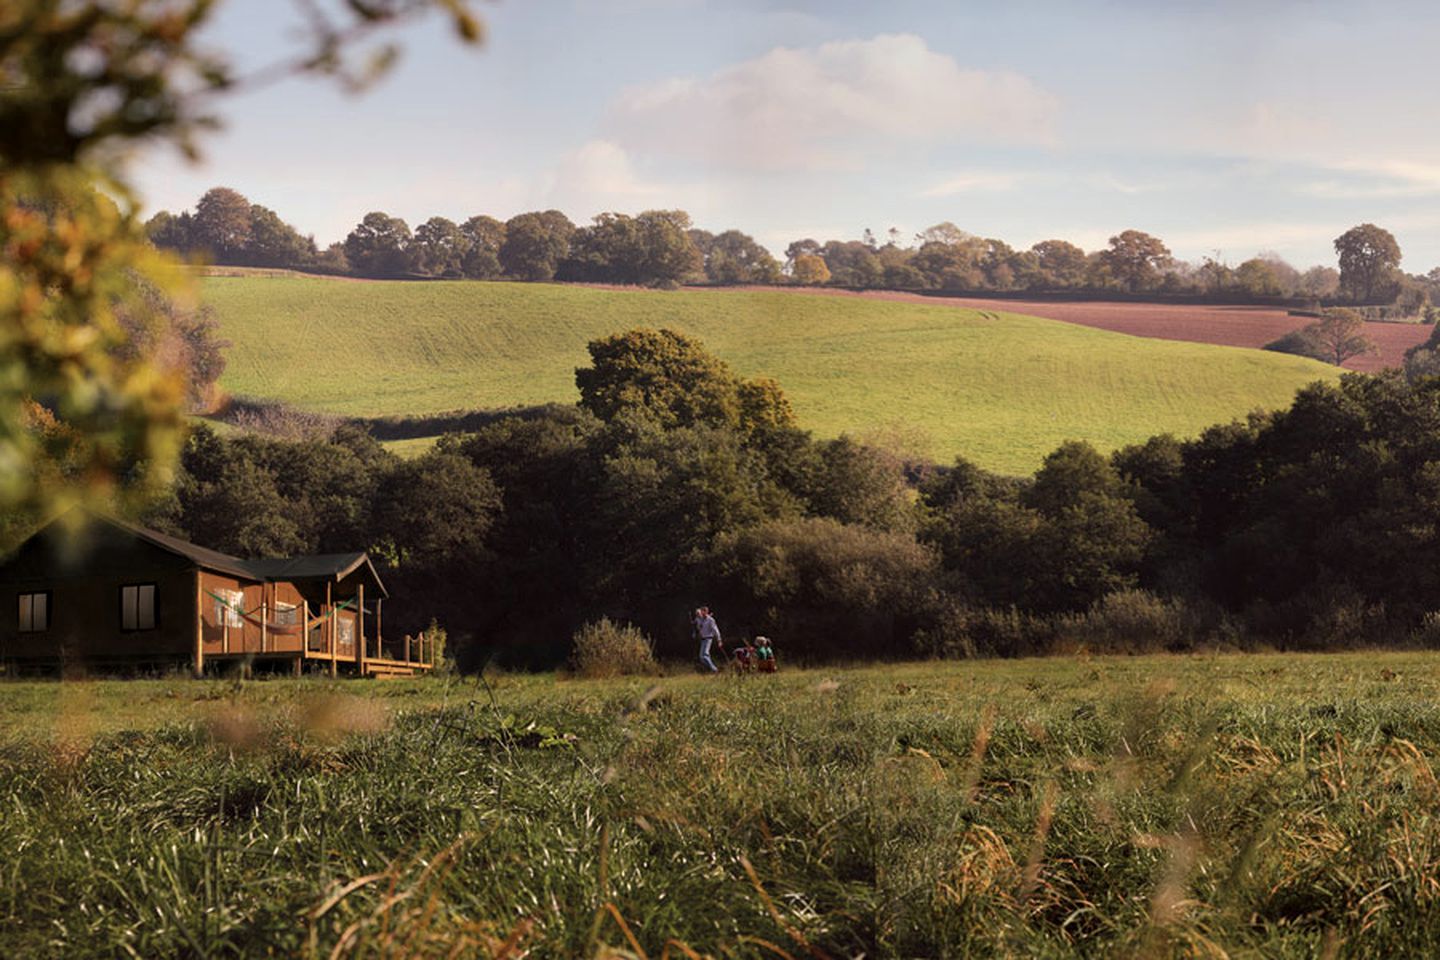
x=1238, y=805
x=1001, y=389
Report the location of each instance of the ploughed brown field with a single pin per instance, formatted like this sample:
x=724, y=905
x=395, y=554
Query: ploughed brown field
x=1231, y=326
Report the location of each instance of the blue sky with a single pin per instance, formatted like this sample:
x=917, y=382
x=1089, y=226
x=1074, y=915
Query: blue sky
x=1224, y=126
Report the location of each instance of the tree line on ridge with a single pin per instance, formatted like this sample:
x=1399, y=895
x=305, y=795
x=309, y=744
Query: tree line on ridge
x=663, y=248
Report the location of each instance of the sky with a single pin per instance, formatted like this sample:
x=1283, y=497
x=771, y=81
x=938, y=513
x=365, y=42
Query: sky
x=1226, y=128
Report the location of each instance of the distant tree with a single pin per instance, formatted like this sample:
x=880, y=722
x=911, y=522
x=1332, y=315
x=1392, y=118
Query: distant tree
x=436, y=510
x=1337, y=336
x=735, y=257
x=764, y=407
x=669, y=256
x=1215, y=276
x=947, y=267
x=1178, y=276
x=904, y=276
x=800, y=248
x=1423, y=360
x=858, y=483
x=1257, y=278
x=1412, y=297
x=952, y=259
x=809, y=269
x=274, y=243
x=1369, y=260
x=1135, y=258
x=332, y=259
x=1340, y=334
x=996, y=263
x=238, y=510
x=377, y=247
x=1287, y=278
x=1099, y=275
x=661, y=498
x=221, y=226
x=171, y=231
x=484, y=236
x=1319, y=282
x=609, y=250
x=852, y=264
x=1092, y=541
x=1075, y=467
x=1153, y=471
x=661, y=375
x=535, y=244
x=946, y=233
x=1061, y=264
x=438, y=248
x=704, y=240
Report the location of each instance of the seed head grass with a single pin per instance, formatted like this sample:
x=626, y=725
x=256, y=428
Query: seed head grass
x=1242, y=806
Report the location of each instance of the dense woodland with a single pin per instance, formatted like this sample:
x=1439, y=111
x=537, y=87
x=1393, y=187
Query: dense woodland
x=663, y=248
x=674, y=483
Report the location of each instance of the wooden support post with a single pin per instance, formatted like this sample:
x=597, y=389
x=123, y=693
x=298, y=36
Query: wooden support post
x=300, y=664
x=263, y=608
x=379, y=635
x=407, y=648
x=199, y=623
x=360, y=624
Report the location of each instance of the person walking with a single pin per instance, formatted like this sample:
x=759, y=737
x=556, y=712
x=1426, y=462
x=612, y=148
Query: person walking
x=709, y=633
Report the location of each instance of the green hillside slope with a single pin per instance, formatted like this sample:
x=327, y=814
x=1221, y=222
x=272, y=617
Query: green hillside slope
x=1001, y=389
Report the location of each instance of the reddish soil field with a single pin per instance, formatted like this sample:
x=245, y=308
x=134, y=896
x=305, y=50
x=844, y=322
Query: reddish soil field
x=1229, y=326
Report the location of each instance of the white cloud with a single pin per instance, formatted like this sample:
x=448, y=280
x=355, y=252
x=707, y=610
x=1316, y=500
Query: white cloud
x=597, y=175
x=975, y=181
x=1365, y=178
x=827, y=107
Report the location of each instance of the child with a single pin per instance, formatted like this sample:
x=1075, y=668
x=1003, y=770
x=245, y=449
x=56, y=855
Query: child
x=765, y=655
x=745, y=658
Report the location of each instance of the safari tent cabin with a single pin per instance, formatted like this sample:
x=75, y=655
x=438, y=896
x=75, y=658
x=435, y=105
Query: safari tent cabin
x=95, y=591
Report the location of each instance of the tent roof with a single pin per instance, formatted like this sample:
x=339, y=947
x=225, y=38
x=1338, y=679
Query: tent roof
x=321, y=566
x=324, y=566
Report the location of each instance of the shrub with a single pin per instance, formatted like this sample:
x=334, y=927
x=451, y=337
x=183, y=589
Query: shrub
x=1300, y=342
x=1131, y=621
x=603, y=648
x=1427, y=635
x=963, y=632
x=435, y=636
x=1347, y=622
x=830, y=590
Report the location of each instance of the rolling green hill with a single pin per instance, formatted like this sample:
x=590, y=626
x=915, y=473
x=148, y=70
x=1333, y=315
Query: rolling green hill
x=1001, y=389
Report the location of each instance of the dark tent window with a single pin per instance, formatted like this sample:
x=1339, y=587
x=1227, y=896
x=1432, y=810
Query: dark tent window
x=34, y=612
x=137, y=607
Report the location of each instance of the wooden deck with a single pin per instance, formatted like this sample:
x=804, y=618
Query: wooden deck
x=369, y=667
x=341, y=635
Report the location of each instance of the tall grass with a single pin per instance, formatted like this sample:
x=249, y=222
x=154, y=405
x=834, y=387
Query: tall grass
x=1275, y=806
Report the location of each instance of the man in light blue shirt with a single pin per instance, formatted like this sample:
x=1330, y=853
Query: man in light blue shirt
x=708, y=632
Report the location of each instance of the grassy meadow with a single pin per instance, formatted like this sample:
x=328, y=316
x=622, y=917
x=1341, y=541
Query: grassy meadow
x=932, y=380
x=1243, y=806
